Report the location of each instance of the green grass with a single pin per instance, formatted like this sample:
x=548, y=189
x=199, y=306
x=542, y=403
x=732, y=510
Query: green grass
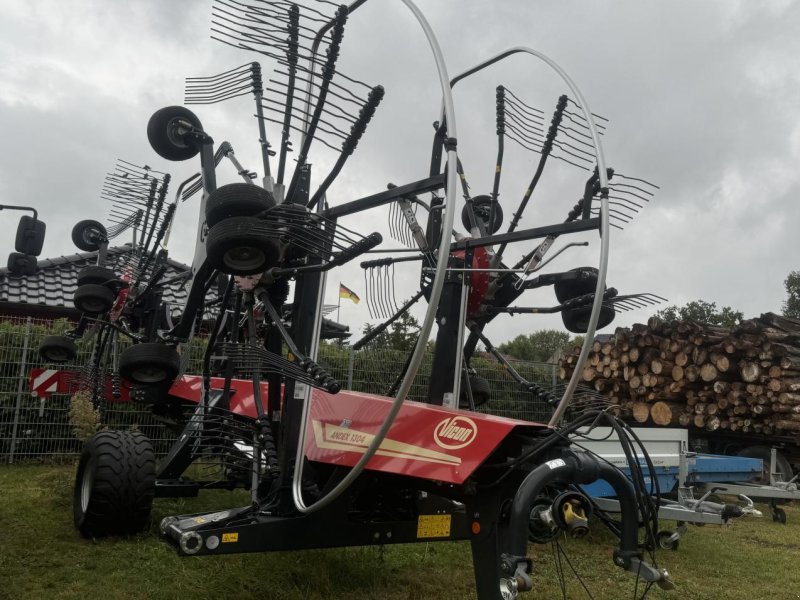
x=41, y=556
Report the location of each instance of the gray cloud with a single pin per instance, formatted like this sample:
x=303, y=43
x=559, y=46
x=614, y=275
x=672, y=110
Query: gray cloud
x=702, y=98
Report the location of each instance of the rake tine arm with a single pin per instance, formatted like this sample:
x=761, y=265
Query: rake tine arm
x=349, y=145
x=162, y=193
x=150, y=199
x=328, y=71
x=165, y=227
x=291, y=55
x=500, y=127
x=546, y=149
x=318, y=374
x=382, y=327
x=515, y=375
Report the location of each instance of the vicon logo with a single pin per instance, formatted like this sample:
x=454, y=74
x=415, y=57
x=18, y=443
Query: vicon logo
x=455, y=432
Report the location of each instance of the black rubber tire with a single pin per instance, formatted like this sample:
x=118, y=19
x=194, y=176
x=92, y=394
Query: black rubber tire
x=114, y=485
x=30, y=236
x=764, y=453
x=237, y=200
x=21, y=264
x=779, y=515
x=149, y=364
x=481, y=390
x=88, y=235
x=577, y=319
x=163, y=132
x=236, y=247
x=57, y=349
x=480, y=203
x=93, y=299
x=96, y=275
x=568, y=289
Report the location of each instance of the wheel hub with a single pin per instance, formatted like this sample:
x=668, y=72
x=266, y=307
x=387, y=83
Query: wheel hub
x=150, y=374
x=244, y=257
x=86, y=485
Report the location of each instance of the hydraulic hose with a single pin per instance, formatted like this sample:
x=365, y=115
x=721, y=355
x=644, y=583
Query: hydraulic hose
x=578, y=468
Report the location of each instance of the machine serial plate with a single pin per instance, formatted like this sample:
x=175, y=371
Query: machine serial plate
x=433, y=526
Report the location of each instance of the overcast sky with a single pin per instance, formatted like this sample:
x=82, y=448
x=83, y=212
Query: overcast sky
x=703, y=99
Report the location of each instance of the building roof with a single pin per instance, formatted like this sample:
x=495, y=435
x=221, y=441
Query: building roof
x=54, y=283
x=50, y=290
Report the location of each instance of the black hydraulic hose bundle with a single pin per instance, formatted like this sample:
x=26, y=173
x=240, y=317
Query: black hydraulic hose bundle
x=573, y=467
x=643, y=505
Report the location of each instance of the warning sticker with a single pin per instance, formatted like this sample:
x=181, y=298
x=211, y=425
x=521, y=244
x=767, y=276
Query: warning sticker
x=433, y=526
x=228, y=538
x=556, y=463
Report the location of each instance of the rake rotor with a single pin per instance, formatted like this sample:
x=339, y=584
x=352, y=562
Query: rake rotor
x=327, y=106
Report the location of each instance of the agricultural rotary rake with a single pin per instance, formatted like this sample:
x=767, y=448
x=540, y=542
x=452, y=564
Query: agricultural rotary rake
x=325, y=466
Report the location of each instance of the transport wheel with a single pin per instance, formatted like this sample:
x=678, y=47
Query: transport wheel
x=577, y=319
x=236, y=247
x=782, y=465
x=30, y=236
x=665, y=541
x=779, y=515
x=57, y=349
x=149, y=364
x=480, y=391
x=21, y=264
x=97, y=275
x=169, y=132
x=114, y=485
x=87, y=235
x=572, y=288
x=93, y=299
x=481, y=206
x=237, y=200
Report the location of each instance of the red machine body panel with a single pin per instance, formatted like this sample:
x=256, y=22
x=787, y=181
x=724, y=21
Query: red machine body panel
x=242, y=402
x=425, y=441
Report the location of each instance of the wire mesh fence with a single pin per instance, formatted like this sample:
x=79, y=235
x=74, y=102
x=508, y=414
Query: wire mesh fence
x=36, y=428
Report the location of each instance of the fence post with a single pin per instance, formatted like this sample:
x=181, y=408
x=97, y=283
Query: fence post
x=350, y=360
x=553, y=373
x=20, y=383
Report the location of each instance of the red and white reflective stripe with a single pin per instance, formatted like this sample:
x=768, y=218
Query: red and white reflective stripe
x=46, y=382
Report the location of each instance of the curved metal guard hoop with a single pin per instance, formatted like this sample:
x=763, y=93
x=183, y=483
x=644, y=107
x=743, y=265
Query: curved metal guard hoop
x=448, y=111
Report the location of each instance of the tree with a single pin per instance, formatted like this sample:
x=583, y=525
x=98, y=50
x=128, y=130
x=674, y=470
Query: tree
x=791, y=307
x=401, y=335
x=703, y=312
x=539, y=346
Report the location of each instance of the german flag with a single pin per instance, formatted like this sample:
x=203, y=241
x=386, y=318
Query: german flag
x=346, y=292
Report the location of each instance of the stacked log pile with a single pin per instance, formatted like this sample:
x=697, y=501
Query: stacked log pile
x=682, y=373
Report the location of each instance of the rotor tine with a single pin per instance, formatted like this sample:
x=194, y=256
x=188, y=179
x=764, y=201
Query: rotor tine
x=379, y=293
x=387, y=290
x=388, y=275
x=394, y=294
x=395, y=217
x=658, y=299
x=629, y=304
x=616, y=188
x=644, y=181
x=384, y=291
x=368, y=287
x=626, y=201
x=637, y=301
x=622, y=209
